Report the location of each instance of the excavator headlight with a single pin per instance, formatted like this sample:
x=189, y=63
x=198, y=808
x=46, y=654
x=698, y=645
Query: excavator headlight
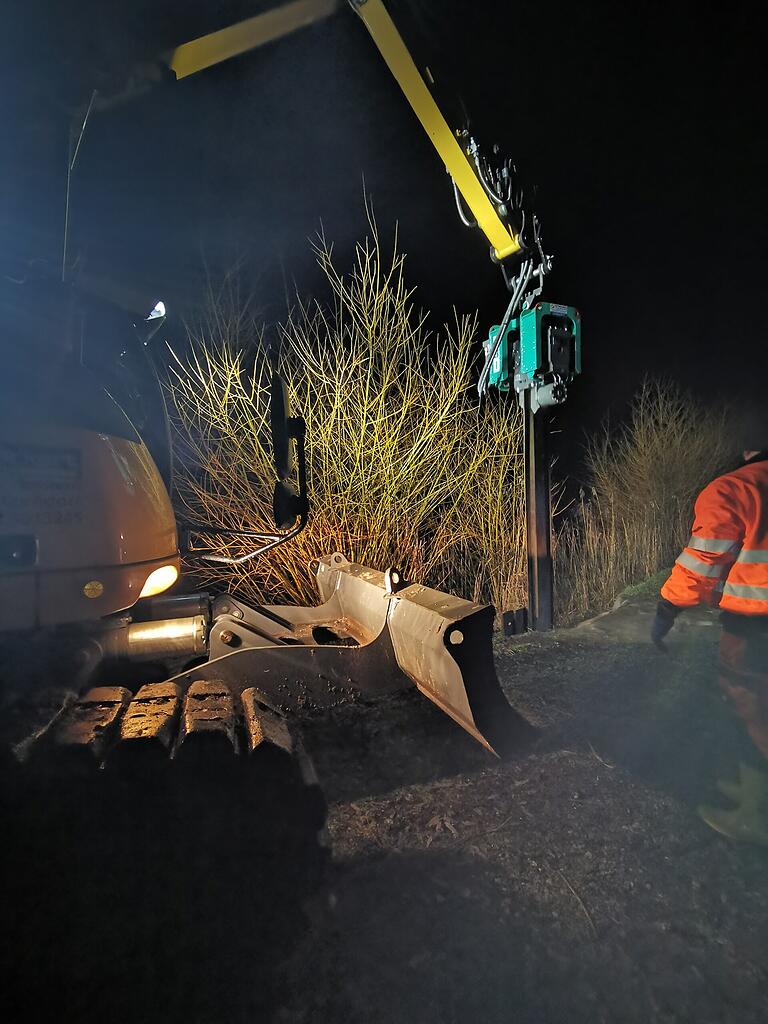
x=159, y=580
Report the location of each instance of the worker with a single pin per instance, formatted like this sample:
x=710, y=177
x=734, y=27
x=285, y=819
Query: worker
x=725, y=564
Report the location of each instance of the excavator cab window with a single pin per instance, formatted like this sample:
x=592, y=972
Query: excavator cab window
x=118, y=354
x=82, y=360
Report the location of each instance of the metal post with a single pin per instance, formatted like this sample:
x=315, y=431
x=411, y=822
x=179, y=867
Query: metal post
x=538, y=518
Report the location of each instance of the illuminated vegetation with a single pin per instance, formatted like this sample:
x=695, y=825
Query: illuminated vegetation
x=637, y=514
x=402, y=469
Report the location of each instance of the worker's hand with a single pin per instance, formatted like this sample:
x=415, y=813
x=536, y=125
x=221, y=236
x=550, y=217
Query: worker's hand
x=663, y=621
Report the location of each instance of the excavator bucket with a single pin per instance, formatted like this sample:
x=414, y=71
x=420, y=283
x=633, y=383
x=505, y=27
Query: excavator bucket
x=373, y=633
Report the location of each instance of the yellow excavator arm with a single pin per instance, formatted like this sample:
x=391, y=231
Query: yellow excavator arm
x=202, y=53
x=243, y=36
x=399, y=61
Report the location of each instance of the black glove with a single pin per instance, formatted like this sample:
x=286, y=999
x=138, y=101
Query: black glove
x=663, y=621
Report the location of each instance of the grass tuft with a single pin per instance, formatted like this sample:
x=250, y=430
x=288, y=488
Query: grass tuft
x=637, y=514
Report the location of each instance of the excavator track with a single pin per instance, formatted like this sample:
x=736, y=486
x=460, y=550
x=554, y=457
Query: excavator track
x=205, y=739
x=109, y=728
x=176, y=834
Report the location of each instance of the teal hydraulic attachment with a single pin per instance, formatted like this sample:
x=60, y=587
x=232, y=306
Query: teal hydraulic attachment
x=540, y=354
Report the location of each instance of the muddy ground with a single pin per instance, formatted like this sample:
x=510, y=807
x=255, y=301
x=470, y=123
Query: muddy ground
x=572, y=884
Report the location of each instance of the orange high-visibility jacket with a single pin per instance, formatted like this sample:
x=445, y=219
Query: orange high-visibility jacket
x=726, y=560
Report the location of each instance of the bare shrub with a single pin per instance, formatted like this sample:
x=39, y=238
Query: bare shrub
x=644, y=480
x=402, y=468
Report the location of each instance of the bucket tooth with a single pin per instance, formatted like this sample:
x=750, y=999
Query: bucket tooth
x=281, y=763
x=83, y=734
x=208, y=723
x=148, y=727
x=269, y=741
x=265, y=728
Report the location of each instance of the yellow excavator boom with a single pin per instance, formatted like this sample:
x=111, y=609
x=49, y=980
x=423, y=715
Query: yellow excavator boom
x=243, y=36
x=399, y=61
x=189, y=58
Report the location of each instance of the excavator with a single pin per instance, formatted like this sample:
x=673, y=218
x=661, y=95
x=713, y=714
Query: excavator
x=91, y=553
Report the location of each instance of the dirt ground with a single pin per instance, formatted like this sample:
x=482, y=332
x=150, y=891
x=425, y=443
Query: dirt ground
x=574, y=883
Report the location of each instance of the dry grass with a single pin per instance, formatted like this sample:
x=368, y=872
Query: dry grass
x=402, y=469
x=637, y=514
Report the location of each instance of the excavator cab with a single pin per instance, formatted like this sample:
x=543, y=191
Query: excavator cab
x=86, y=523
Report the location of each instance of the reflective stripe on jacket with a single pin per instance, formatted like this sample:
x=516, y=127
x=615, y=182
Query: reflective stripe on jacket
x=725, y=562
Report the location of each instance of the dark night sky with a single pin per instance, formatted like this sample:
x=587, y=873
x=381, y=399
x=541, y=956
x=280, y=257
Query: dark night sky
x=641, y=125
